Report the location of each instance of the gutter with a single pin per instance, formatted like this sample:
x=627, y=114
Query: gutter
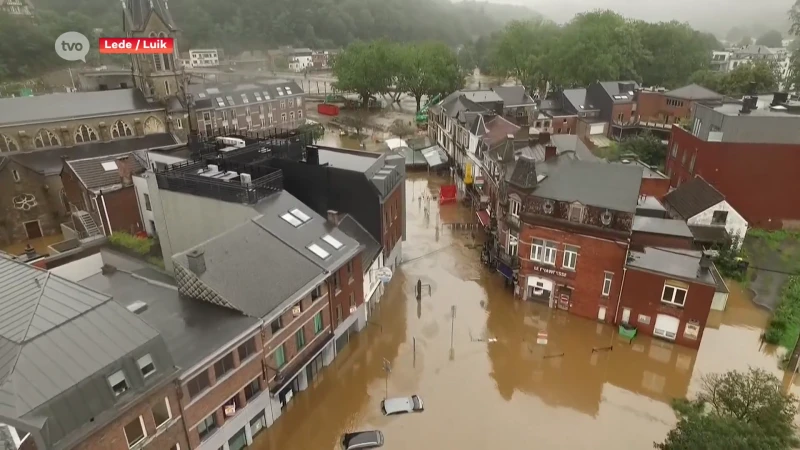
x=94, y=116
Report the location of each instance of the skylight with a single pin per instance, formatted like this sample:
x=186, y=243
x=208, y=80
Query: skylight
x=266, y=95
x=202, y=95
x=333, y=241
x=220, y=101
x=258, y=96
x=288, y=90
x=109, y=166
x=230, y=100
x=319, y=251
x=292, y=220
x=244, y=98
x=300, y=215
x=280, y=91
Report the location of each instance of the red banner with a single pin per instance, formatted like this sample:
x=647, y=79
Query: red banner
x=136, y=45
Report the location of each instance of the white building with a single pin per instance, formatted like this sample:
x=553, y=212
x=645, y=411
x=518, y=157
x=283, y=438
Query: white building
x=300, y=59
x=207, y=57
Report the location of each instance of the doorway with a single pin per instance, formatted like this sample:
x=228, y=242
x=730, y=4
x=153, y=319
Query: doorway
x=626, y=315
x=33, y=229
x=601, y=314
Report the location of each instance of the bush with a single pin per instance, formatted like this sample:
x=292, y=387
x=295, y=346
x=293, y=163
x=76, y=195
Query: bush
x=139, y=246
x=784, y=327
x=729, y=257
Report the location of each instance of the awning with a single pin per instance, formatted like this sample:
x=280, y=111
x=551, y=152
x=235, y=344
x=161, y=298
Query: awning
x=506, y=271
x=483, y=217
x=434, y=156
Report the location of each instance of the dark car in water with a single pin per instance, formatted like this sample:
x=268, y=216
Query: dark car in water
x=362, y=440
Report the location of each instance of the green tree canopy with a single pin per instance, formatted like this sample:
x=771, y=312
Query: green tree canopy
x=678, y=51
x=735, y=411
x=646, y=147
x=736, y=83
x=771, y=38
x=427, y=68
x=366, y=68
x=524, y=50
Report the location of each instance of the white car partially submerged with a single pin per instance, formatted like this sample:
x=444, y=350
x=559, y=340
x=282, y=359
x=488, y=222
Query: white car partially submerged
x=402, y=405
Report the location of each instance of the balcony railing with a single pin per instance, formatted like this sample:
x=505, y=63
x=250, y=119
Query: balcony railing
x=642, y=124
x=184, y=178
x=503, y=256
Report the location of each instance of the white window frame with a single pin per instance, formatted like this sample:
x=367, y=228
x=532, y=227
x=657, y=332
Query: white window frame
x=512, y=241
x=675, y=290
x=144, y=434
x=515, y=207
x=550, y=253
x=169, y=414
x=570, y=259
x=608, y=281
x=124, y=379
x=148, y=359
x=581, y=211
x=537, y=250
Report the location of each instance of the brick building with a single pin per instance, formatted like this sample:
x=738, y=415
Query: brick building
x=669, y=293
x=568, y=230
x=116, y=373
x=659, y=107
x=748, y=153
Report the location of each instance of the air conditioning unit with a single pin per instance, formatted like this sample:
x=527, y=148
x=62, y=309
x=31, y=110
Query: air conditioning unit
x=246, y=179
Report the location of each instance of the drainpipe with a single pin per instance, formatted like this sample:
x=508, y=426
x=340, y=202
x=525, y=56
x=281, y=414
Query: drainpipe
x=622, y=287
x=105, y=210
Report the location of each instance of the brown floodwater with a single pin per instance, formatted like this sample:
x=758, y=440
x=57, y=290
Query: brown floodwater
x=485, y=379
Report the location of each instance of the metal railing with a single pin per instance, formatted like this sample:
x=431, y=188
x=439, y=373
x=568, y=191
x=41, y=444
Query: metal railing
x=229, y=191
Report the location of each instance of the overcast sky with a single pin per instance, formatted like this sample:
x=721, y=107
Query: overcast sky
x=712, y=15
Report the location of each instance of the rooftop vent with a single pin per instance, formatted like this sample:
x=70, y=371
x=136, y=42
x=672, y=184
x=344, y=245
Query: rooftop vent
x=197, y=261
x=137, y=307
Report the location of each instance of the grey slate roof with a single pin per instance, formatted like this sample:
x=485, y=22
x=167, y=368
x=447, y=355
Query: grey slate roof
x=206, y=97
x=612, y=186
x=577, y=98
x=620, y=91
x=682, y=264
x=709, y=233
x=253, y=270
x=139, y=11
x=50, y=161
x=513, y=96
x=357, y=162
x=669, y=227
x=192, y=329
x=694, y=92
x=572, y=143
x=352, y=228
x=523, y=175
x=93, y=175
x=456, y=102
x=693, y=197
x=55, y=334
x=62, y=106
x=384, y=171
x=482, y=96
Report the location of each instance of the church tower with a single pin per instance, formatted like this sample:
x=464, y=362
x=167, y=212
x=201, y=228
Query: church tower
x=155, y=75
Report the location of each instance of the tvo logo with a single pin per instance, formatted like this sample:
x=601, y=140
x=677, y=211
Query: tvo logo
x=72, y=46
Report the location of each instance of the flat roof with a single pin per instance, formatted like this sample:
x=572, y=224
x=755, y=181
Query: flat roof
x=733, y=109
x=669, y=227
x=682, y=264
x=346, y=160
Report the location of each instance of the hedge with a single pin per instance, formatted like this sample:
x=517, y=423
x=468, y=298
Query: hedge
x=784, y=327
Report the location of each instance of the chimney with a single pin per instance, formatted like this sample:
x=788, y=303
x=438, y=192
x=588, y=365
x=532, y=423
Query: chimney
x=125, y=170
x=312, y=155
x=779, y=98
x=197, y=261
x=333, y=217
x=745, y=106
x=550, y=152
x=544, y=137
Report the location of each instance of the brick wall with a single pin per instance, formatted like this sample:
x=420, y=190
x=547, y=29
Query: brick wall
x=221, y=390
x=654, y=187
x=123, y=210
x=756, y=179
x=624, y=109
x=595, y=257
x=639, y=239
x=48, y=210
x=392, y=220
x=642, y=294
x=291, y=325
x=351, y=280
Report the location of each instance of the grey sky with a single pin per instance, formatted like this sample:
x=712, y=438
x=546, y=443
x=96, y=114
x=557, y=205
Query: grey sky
x=711, y=15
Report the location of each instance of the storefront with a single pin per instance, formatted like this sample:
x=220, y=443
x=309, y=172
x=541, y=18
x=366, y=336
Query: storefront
x=287, y=393
x=549, y=286
x=314, y=368
x=238, y=441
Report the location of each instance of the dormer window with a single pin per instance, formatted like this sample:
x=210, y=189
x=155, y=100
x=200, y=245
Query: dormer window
x=146, y=365
x=576, y=212
x=118, y=383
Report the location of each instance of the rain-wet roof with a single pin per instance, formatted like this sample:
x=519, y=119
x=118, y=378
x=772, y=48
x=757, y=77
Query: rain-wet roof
x=682, y=264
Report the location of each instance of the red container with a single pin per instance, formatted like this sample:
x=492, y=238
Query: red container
x=328, y=109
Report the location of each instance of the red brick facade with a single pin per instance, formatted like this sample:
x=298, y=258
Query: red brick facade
x=347, y=285
x=122, y=204
x=623, y=112
x=642, y=296
x=596, y=257
x=654, y=187
x=756, y=179
x=392, y=218
x=639, y=240
x=653, y=107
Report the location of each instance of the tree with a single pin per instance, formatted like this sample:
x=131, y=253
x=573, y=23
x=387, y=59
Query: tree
x=793, y=80
x=648, y=148
x=523, y=51
x=745, y=41
x=735, y=411
x=771, y=38
x=737, y=82
x=402, y=128
x=364, y=68
x=427, y=68
x=708, y=79
x=679, y=51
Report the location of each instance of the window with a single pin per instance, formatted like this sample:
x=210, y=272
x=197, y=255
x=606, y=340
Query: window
x=247, y=349
x=45, y=138
x=300, y=215
x=644, y=319
x=674, y=150
x=683, y=158
x=229, y=98
x=118, y=383
x=162, y=412
x=252, y=389
x=85, y=134
x=338, y=314
x=291, y=116
x=16, y=176
x=135, y=431
x=198, y=384
x=291, y=103
x=257, y=96
x=300, y=339
x=674, y=295
x=283, y=104
x=319, y=251
x=350, y=269
x=352, y=301
x=244, y=99
x=337, y=282
x=207, y=116
x=607, y=283
x=280, y=356
x=207, y=426
x=147, y=202
x=292, y=219
x=333, y=241
x=537, y=250
x=276, y=325
x=223, y=366
x=570, y=257
x=146, y=365
x=120, y=129
x=318, y=323
x=316, y=293
x=550, y=252
x=513, y=241
x=283, y=117
x=299, y=114
x=692, y=330
x=247, y=113
x=576, y=213
x=719, y=218
x=166, y=87
x=515, y=207
x=299, y=102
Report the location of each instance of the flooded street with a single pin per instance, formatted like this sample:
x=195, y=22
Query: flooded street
x=497, y=387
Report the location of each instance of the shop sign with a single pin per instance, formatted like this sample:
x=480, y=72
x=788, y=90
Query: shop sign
x=554, y=272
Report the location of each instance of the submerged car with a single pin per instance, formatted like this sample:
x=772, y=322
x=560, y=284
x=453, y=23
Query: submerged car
x=362, y=440
x=402, y=405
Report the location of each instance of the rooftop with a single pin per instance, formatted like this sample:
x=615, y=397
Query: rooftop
x=139, y=11
x=483, y=96
x=681, y=264
x=788, y=110
x=355, y=230
x=384, y=171
x=457, y=102
x=667, y=227
x=103, y=171
x=693, y=197
x=620, y=91
x=577, y=98
x=343, y=159
x=71, y=106
x=191, y=329
x=589, y=183
x=513, y=96
x=240, y=94
x=694, y=92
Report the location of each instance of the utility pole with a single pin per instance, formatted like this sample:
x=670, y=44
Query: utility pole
x=387, y=367
x=452, y=325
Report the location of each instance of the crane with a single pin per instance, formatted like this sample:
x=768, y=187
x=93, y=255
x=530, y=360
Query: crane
x=422, y=115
